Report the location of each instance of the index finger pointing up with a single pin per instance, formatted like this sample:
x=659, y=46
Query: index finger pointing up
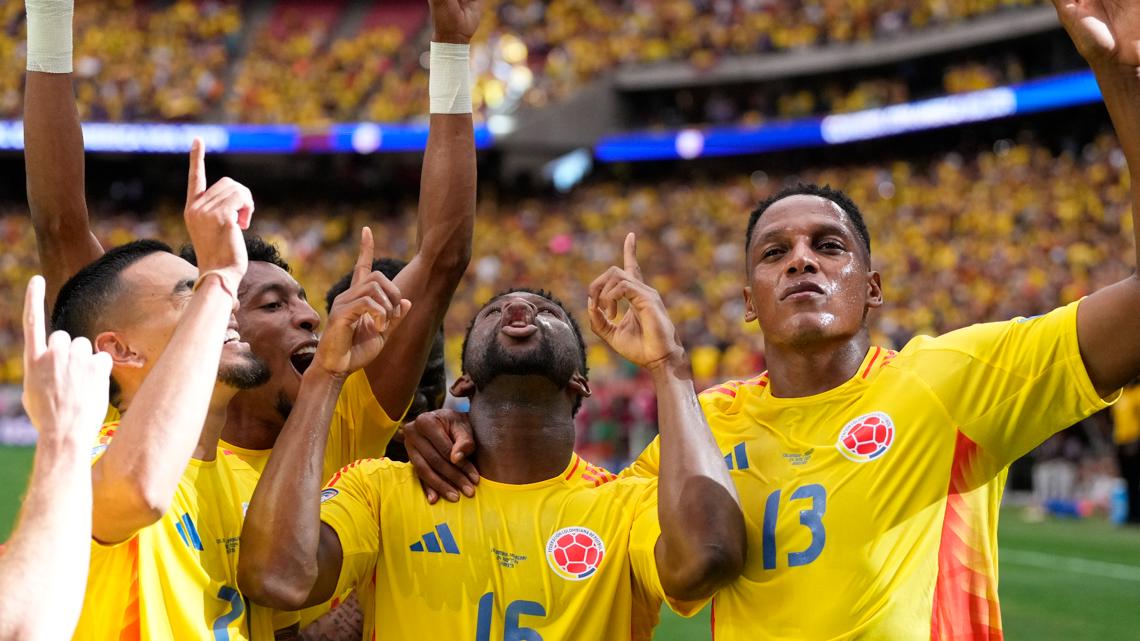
x=35, y=331
x=196, y=184
x=363, y=265
x=630, y=253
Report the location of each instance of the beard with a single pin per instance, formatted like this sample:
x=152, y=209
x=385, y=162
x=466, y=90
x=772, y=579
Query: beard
x=283, y=406
x=556, y=365
x=246, y=372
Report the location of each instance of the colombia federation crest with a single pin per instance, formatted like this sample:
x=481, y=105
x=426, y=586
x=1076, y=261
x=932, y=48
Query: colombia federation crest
x=867, y=437
x=575, y=553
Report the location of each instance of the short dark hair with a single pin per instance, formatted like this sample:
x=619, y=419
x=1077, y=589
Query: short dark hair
x=809, y=189
x=93, y=289
x=256, y=248
x=387, y=266
x=85, y=297
x=584, y=369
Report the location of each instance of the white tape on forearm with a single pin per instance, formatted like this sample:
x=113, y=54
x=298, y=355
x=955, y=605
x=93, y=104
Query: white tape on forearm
x=449, y=78
x=49, y=35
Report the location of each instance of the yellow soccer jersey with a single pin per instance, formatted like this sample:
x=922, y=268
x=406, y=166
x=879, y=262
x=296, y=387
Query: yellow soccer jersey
x=177, y=578
x=551, y=560
x=359, y=429
x=872, y=508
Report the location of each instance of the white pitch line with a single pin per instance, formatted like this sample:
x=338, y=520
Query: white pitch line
x=1070, y=563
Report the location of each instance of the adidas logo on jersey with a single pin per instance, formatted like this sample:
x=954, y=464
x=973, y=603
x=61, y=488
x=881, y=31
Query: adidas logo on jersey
x=189, y=533
x=737, y=459
x=438, y=541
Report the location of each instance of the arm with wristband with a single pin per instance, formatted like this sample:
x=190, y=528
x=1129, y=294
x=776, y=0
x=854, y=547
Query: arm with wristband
x=446, y=217
x=53, y=148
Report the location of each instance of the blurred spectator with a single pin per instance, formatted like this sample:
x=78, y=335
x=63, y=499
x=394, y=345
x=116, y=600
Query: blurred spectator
x=1126, y=437
x=1055, y=466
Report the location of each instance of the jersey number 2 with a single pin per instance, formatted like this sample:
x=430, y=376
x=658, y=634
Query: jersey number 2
x=237, y=608
x=511, y=629
x=811, y=518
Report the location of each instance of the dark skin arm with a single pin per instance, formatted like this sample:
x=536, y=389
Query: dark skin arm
x=344, y=623
x=1107, y=33
x=446, y=225
x=289, y=558
x=698, y=551
x=53, y=158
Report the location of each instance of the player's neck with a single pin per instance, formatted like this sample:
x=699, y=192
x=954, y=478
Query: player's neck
x=251, y=424
x=207, y=449
x=524, y=430
x=798, y=371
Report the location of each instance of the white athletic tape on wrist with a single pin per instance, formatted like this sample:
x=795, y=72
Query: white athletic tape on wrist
x=49, y=35
x=449, y=78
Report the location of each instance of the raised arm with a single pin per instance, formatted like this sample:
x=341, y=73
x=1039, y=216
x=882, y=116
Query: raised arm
x=289, y=560
x=65, y=395
x=135, y=480
x=699, y=550
x=53, y=148
x=446, y=208
x=1107, y=33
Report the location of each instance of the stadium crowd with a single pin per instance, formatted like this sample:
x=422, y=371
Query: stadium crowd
x=141, y=61
x=1015, y=230
x=135, y=61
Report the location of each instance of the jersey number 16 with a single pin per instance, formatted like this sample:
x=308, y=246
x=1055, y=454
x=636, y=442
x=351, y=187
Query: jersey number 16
x=511, y=629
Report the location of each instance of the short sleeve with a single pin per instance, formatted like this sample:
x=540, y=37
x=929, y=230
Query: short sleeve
x=1009, y=386
x=360, y=427
x=647, y=589
x=350, y=505
x=647, y=465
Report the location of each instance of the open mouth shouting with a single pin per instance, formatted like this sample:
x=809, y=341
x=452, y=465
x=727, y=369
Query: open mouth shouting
x=302, y=357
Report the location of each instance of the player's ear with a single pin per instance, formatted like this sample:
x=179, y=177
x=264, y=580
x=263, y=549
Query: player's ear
x=749, y=310
x=463, y=387
x=874, y=290
x=580, y=384
x=121, y=353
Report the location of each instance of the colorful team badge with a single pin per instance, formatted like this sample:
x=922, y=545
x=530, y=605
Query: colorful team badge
x=575, y=553
x=866, y=438
x=328, y=493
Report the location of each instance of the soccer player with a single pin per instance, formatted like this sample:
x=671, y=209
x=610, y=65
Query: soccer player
x=65, y=396
x=535, y=554
x=873, y=476
x=432, y=389
x=276, y=318
x=168, y=503
x=177, y=362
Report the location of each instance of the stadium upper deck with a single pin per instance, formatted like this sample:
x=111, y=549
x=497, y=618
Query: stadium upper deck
x=346, y=60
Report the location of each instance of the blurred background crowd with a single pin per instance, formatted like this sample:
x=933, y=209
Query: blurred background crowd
x=320, y=61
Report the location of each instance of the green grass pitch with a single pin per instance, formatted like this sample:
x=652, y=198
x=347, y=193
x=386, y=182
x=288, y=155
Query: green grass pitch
x=1060, y=580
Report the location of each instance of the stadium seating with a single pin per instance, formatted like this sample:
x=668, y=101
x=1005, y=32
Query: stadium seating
x=148, y=61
